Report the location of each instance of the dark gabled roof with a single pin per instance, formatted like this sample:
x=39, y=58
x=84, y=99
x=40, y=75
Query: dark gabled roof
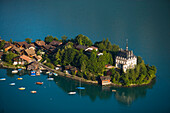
x=30, y=51
x=81, y=47
x=7, y=45
x=22, y=43
x=125, y=54
x=105, y=77
x=69, y=67
x=40, y=43
x=55, y=43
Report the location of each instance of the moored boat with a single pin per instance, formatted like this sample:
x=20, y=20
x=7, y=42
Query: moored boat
x=33, y=91
x=47, y=72
x=39, y=83
x=2, y=78
x=14, y=71
x=55, y=74
x=20, y=78
x=72, y=93
x=50, y=78
x=80, y=87
x=19, y=69
x=21, y=88
x=12, y=84
x=33, y=73
x=113, y=90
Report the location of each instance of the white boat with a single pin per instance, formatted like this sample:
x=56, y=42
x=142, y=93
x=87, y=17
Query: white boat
x=72, y=93
x=21, y=88
x=15, y=71
x=33, y=91
x=50, y=73
x=50, y=78
x=47, y=72
x=2, y=78
x=55, y=74
x=12, y=84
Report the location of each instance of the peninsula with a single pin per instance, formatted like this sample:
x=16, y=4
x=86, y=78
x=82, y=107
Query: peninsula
x=79, y=58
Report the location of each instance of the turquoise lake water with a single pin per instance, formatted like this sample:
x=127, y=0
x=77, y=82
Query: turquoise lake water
x=146, y=24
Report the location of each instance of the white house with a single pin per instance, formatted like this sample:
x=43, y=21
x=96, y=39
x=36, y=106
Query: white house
x=126, y=59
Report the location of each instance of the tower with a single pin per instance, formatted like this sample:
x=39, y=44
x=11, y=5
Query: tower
x=126, y=44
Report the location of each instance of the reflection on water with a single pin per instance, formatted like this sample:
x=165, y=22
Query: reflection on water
x=128, y=95
x=124, y=96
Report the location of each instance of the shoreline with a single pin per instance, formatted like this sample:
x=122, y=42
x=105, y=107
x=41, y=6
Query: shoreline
x=73, y=77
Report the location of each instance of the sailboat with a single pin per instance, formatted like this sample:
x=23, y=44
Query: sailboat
x=80, y=86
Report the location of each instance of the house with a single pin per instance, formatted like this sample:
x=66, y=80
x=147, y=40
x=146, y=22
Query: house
x=31, y=46
x=99, y=54
x=16, y=50
x=55, y=43
x=109, y=66
x=79, y=47
x=22, y=60
x=91, y=48
x=30, y=52
x=7, y=46
x=1, y=54
x=105, y=80
x=49, y=48
x=39, y=43
x=33, y=66
x=26, y=59
x=38, y=58
x=125, y=59
x=21, y=44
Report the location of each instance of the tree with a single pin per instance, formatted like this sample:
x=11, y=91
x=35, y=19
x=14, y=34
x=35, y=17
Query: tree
x=38, y=39
x=83, y=40
x=9, y=56
x=28, y=40
x=139, y=60
x=55, y=38
x=10, y=40
x=64, y=38
x=49, y=39
x=2, y=44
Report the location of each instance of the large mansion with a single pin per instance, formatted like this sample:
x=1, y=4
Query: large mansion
x=126, y=59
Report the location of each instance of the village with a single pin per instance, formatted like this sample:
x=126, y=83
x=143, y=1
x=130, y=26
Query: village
x=30, y=56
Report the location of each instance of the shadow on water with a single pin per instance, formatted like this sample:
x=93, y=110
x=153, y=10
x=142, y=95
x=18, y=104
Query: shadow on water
x=124, y=95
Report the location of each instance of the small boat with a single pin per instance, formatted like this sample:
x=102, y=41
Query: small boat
x=20, y=78
x=21, y=88
x=33, y=73
x=15, y=71
x=80, y=87
x=40, y=71
x=39, y=83
x=2, y=78
x=47, y=72
x=72, y=93
x=113, y=90
x=50, y=73
x=55, y=74
x=12, y=84
x=33, y=91
x=50, y=78
x=19, y=69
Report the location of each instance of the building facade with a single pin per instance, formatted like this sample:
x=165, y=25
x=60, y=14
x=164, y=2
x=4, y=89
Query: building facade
x=126, y=59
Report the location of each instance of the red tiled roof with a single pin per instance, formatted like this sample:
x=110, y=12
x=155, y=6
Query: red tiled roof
x=25, y=58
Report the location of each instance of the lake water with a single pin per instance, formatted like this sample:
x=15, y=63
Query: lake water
x=144, y=22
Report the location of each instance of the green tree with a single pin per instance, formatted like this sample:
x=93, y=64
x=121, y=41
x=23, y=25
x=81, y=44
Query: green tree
x=2, y=43
x=139, y=59
x=9, y=56
x=83, y=40
x=10, y=40
x=49, y=39
x=28, y=40
x=64, y=38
